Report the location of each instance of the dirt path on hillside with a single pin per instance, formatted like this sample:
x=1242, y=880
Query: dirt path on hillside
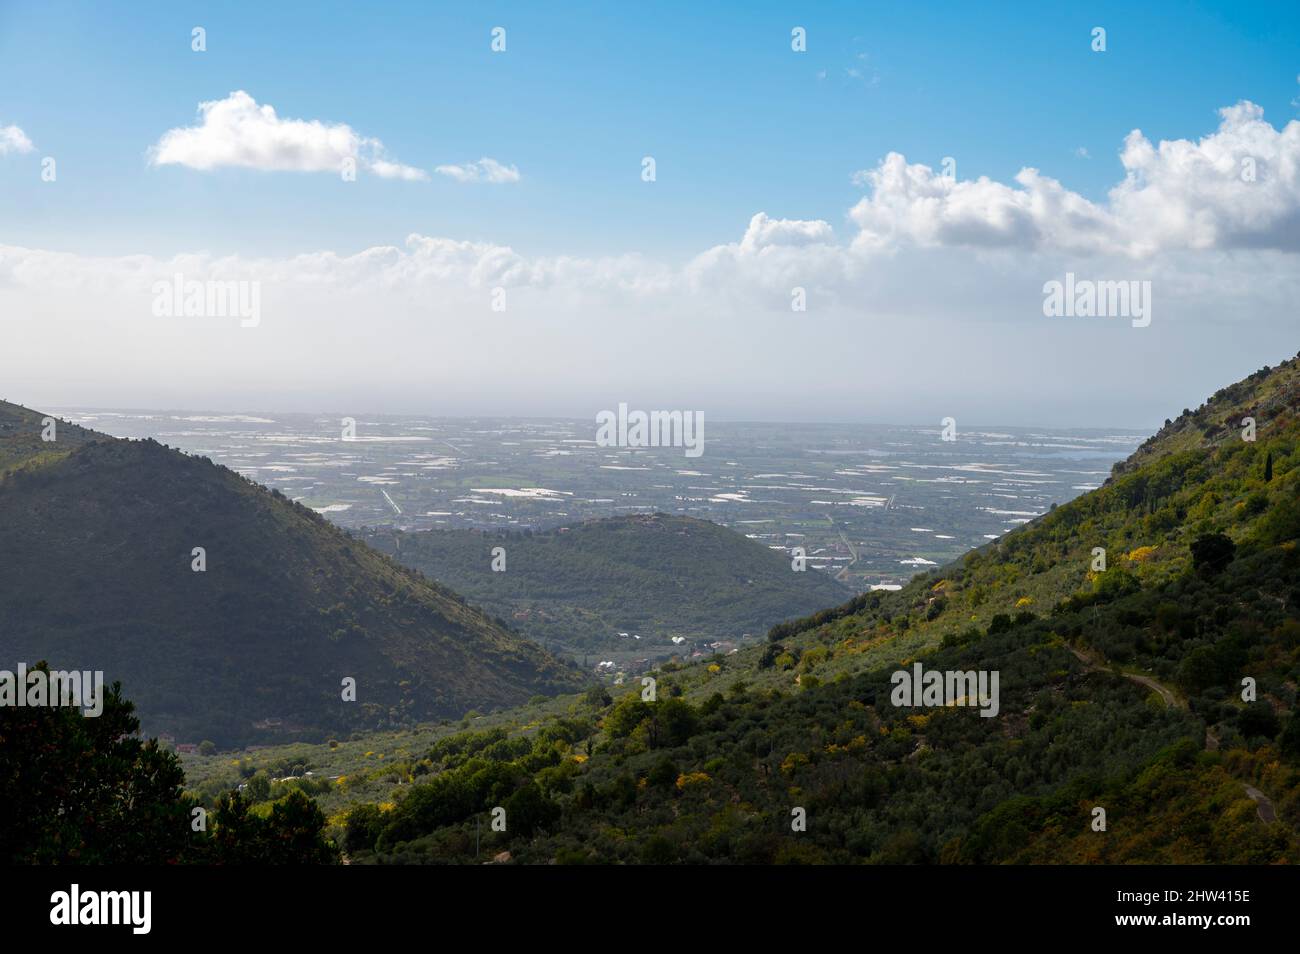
x=1168, y=695
x=1263, y=804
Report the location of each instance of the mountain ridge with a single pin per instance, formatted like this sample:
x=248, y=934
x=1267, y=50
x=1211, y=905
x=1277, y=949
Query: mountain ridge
x=1159, y=685
x=97, y=571
x=651, y=577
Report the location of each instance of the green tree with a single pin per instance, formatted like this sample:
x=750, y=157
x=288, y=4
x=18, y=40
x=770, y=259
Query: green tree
x=658, y=850
x=528, y=811
x=1289, y=740
x=626, y=715
x=677, y=721
x=363, y=826
x=290, y=834
x=1212, y=552
x=1200, y=669
x=1258, y=719
x=259, y=787
x=78, y=789
x=596, y=697
x=664, y=774
x=1000, y=623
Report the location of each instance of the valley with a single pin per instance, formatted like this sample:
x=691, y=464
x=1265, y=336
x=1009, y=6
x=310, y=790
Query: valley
x=870, y=505
x=1161, y=690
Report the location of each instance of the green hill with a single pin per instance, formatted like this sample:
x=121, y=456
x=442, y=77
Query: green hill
x=96, y=572
x=23, y=437
x=1161, y=689
x=653, y=576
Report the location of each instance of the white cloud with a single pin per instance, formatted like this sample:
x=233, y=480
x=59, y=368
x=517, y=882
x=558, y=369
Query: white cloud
x=912, y=335
x=1177, y=195
x=485, y=170
x=910, y=204
x=13, y=139
x=1182, y=199
x=764, y=232
x=925, y=301
x=772, y=255
x=932, y=289
x=1194, y=195
x=395, y=170
x=237, y=132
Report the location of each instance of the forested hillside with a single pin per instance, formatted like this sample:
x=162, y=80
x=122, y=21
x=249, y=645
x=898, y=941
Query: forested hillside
x=27, y=440
x=1159, y=687
x=249, y=639
x=619, y=585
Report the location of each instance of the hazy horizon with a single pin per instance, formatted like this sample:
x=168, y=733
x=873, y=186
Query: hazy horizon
x=237, y=412
x=863, y=224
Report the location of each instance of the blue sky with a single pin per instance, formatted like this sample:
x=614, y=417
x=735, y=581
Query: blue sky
x=776, y=171
x=736, y=121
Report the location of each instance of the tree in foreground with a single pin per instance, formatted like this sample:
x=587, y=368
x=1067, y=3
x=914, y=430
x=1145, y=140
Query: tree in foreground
x=79, y=789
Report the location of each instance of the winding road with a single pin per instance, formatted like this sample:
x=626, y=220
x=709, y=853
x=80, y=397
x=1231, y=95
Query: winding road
x=1168, y=695
x=1263, y=804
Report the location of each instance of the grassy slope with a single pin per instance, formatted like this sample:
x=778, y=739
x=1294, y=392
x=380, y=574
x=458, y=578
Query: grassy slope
x=95, y=572
x=808, y=723
x=656, y=575
x=21, y=443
